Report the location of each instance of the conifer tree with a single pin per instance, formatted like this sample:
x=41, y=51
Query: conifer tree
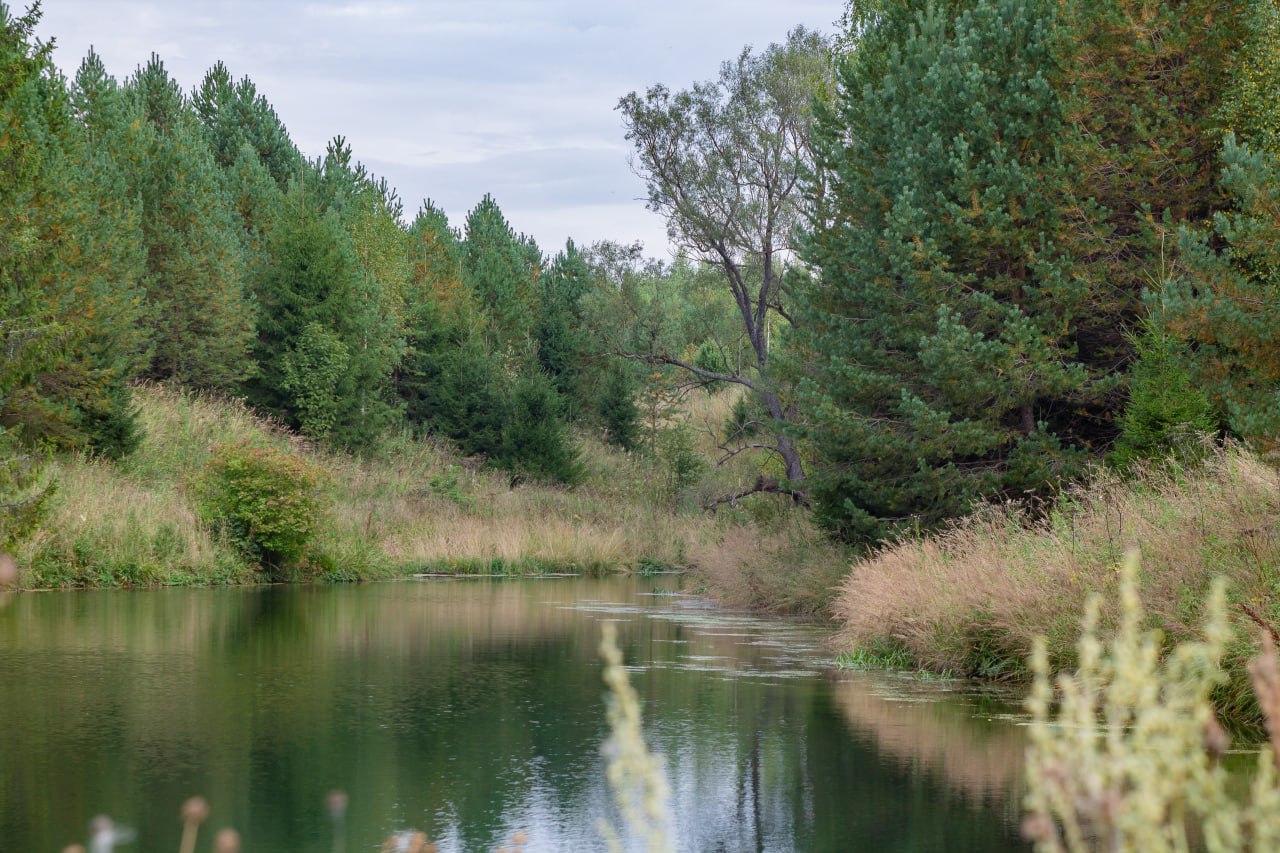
x=200, y=317
x=535, y=440
x=936, y=336
x=233, y=114
x=501, y=270
x=1144, y=98
x=1167, y=412
x=307, y=279
x=68, y=263
x=559, y=327
x=617, y=408
x=1228, y=299
x=436, y=257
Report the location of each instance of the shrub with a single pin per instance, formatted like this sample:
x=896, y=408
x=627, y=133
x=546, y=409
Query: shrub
x=25, y=490
x=1166, y=412
x=263, y=499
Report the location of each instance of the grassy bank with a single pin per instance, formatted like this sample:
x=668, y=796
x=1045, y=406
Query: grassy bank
x=409, y=506
x=971, y=601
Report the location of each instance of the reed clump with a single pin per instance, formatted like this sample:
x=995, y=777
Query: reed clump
x=1125, y=752
x=783, y=566
x=972, y=599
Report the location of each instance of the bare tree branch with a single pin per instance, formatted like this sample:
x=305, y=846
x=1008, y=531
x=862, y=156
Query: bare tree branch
x=697, y=371
x=763, y=485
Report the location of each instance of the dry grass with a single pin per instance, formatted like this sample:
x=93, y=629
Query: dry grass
x=972, y=599
x=107, y=530
x=790, y=567
x=408, y=506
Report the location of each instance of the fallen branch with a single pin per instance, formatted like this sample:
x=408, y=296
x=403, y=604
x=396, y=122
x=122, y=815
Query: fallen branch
x=763, y=485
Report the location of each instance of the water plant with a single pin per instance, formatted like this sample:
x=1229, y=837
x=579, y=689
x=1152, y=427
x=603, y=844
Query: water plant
x=1130, y=760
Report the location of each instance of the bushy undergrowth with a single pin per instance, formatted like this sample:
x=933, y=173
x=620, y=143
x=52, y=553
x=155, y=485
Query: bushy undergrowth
x=407, y=505
x=783, y=566
x=267, y=502
x=972, y=600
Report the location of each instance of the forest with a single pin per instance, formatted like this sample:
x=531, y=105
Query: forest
x=962, y=263
x=969, y=331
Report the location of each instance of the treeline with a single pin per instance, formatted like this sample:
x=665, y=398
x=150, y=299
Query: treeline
x=155, y=234
x=957, y=254
x=1038, y=234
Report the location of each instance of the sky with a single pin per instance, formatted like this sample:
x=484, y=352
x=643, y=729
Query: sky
x=449, y=99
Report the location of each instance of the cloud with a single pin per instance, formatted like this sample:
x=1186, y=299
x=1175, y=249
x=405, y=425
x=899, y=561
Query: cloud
x=450, y=100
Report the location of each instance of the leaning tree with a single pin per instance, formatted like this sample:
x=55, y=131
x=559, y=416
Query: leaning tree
x=722, y=162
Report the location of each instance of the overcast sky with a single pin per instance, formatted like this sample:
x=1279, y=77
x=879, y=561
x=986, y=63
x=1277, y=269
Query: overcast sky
x=451, y=99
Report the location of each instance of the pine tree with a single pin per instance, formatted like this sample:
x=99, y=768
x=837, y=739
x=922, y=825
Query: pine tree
x=200, y=316
x=234, y=115
x=936, y=340
x=1144, y=102
x=1228, y=299
x=501, y=270
x=436, y=256
x=68, y=263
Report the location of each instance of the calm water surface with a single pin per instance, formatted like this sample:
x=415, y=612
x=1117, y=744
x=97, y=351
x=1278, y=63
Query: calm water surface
x=473, y=710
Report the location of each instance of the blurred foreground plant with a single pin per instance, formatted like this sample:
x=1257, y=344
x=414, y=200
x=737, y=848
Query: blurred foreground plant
x=634, y=773
x=1131, y=762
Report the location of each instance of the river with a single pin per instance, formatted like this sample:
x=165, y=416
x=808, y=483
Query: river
x=474, y=710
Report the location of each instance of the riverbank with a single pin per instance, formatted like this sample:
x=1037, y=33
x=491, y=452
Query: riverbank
x=409, y=506
x=970, y=601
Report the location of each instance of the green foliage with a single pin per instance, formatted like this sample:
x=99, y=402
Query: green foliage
x=1146, y=121
x=559, y=330
x=198, y=311
x=310, y=372
x=722, y=162
x=1252, y=110
x=684, y=465
x=264, y=499
x=501, y=269
x=1167, y=412
x=746, y=418
x=617, y=408
x=448, y=484
x=710, y=357
x=535, y=440
x=234, y=116
x=944, y=189
x=1228, y=300
x=453, y=385
x=70, y=261
x=25, y=489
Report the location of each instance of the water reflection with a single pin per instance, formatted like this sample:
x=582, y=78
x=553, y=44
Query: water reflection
x=972, y=741
x=472, y=711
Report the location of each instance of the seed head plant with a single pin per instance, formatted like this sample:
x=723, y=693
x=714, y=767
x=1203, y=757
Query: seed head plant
x=634, y=773
x=1130, y=761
